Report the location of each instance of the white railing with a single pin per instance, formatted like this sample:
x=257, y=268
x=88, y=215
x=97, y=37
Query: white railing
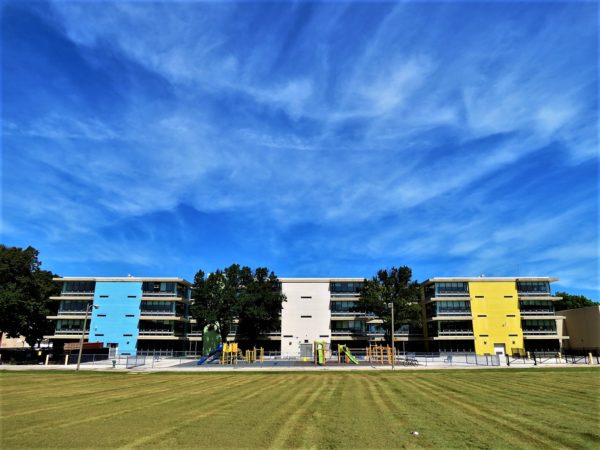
x=456, y=333
x=157, y=333
x=539, y=332
x=76, y=294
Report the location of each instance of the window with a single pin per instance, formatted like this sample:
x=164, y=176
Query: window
x=70, y=306
x=452, y=288
x=351, y=326
x=79, y=286
x=342, y=306
x=157, y=307
x=533, y=287
x=345, y=287
x=71, y=325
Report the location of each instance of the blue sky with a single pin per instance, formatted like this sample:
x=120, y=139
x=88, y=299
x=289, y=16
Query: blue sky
x=317, y=139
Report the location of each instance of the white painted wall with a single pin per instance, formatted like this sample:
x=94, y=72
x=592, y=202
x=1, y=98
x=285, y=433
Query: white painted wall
x=296, y=329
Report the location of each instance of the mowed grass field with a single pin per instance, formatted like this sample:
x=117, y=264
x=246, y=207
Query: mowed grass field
x=533, y=408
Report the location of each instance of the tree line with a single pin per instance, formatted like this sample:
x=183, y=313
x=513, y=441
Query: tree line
x=236, y=298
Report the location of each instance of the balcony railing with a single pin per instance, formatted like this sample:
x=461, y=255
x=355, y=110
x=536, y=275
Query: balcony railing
x=534, y=294
x=157, y=333
x=66, y=312
x=537, y=312
x=454, y=312
x=452, y=294
x=65, y=332
x=455, y=333
x=76, y=294
x=161, y=294
x=539, y=332
x=349, y=313
x=348, y=332
x=146, y=312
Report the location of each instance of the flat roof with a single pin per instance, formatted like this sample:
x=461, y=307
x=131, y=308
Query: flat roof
x=475, y=279
x=320, y=280
x=119, y=279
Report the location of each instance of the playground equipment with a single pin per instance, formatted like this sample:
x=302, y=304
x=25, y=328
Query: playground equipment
x=256, y=354
x=379, y=354
x=349, y=357
x=229, y=353
x=216, y=353
x=319, y=350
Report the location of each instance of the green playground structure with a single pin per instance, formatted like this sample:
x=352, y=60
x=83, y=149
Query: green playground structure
x=320, y=347
x=345, y=351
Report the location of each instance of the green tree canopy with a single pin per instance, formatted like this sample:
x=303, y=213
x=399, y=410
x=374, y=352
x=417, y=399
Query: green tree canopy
x=572, y=301
x=238, y=293
x=24, y=294
x=395, y=286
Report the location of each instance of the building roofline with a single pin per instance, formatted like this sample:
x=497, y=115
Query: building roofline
x=319, y=280
x=492, y=279
x=126, y=279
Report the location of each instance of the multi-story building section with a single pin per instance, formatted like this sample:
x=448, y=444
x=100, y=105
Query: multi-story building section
x=326, y=309
x=125, y=314
x=483, y=315
x=491, y=315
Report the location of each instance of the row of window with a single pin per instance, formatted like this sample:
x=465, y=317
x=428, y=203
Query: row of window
x=343, y=306
x=452, y=288
x=345, y=287
x=74, y=306
x=539, y=325
x=354, y=326
x=79, y=286
x=533, y=287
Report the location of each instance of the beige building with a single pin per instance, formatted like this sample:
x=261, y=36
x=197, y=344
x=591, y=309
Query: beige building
x=583, y=327
x=6, y=342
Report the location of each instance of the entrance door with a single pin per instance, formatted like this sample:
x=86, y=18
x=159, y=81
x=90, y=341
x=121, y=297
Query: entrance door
x=500, y=350
x=112, y=350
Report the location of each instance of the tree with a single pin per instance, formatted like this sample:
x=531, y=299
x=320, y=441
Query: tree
x=24, y=294
x=572, y=301
x=392, y=286
x=260, y=305
x=237, y=293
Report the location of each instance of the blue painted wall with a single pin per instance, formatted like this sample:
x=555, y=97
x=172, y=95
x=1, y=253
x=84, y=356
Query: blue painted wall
x=116, y=318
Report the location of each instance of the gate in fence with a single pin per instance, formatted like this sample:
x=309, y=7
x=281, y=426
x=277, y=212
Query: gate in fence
x=135, y=361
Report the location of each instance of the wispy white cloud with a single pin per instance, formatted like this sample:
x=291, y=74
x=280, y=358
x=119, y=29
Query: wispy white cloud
x=293, y=122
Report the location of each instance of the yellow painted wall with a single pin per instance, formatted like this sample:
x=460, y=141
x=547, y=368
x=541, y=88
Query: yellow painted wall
x=496, y=315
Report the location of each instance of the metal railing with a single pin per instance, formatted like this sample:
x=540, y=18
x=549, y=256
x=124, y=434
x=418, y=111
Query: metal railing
x=455, y=333
x=454, y=312
x=69, y=332
x=157, y=333
x=539, y=332
x=537, y=312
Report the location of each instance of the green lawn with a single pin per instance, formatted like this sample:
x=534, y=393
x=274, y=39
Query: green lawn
x=543, y=408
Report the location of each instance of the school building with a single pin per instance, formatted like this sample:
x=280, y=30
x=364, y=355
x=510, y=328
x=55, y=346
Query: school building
x=484, y=315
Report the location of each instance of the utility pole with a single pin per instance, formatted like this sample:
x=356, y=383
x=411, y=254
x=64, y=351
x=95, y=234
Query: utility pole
x=87, y=311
